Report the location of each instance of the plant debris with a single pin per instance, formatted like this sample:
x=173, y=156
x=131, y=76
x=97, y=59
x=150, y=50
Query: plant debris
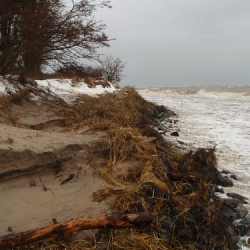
x=177, y=187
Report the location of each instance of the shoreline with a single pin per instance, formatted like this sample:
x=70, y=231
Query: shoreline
x=138, y=171
x=233, y=91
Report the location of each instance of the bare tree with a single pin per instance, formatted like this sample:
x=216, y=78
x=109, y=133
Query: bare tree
x=37, y=25
x=9, y=38
x=112, y=68
x=34, y=33
x=79, y=35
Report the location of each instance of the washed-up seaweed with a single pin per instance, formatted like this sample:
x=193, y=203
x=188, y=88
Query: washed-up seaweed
x=188, y=213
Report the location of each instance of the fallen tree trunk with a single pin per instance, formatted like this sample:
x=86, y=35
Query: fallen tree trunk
x=58, y=229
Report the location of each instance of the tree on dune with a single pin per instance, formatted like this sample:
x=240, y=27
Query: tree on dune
x=112, y=68
x=38, y=33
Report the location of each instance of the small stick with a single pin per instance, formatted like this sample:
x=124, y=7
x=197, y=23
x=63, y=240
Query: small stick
x=45, y=188
x=71, y=176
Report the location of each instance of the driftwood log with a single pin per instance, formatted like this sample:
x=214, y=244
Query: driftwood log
x=58, y=229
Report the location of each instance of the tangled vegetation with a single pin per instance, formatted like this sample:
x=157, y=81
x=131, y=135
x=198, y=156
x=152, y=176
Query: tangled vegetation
x=174, y=186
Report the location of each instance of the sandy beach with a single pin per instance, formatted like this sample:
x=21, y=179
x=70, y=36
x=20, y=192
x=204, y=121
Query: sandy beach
x=35, y=162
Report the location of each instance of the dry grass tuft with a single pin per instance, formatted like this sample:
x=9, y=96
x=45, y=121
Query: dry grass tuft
x=5, y=103
x=6, y=113
x=112, y=110
x=130, y=239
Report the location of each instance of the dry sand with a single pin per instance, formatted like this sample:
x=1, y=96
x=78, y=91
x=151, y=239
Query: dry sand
x=33, y=161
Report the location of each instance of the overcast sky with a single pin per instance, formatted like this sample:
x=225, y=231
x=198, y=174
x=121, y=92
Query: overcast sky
x=180, y=42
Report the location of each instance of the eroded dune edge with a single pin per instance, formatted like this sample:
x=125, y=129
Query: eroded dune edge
x=105, y=155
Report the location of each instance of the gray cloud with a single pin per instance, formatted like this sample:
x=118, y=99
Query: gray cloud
x=180, y=42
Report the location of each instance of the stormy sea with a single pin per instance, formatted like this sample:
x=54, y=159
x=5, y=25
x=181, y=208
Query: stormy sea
x=212, y=116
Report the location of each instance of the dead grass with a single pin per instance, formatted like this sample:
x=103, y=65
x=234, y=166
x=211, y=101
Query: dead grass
x=6, y=113
x=5, y=103
x=181, y=208
x=130, y=239
x=125, y=108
